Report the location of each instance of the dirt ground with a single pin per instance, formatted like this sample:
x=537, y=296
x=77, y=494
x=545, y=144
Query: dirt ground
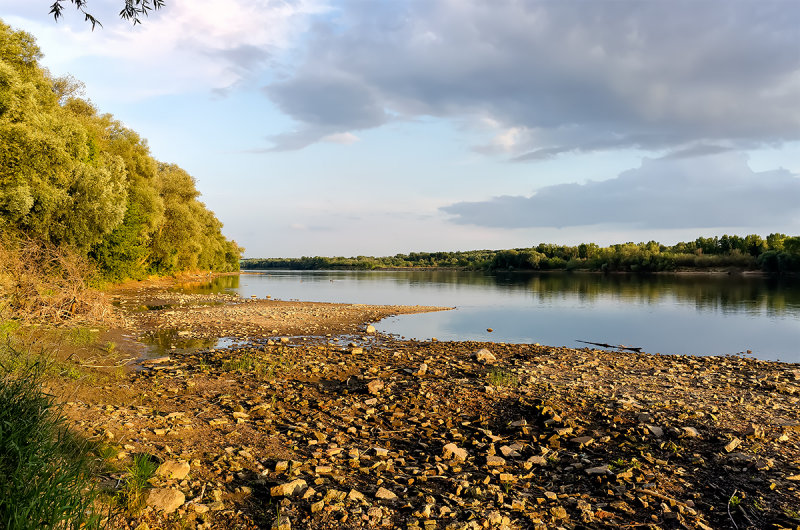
x=307, y=418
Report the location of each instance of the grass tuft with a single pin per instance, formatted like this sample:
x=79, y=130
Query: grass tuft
x=47, y=471
x=502, y=378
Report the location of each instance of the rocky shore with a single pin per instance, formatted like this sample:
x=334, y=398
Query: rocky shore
x=312, y=420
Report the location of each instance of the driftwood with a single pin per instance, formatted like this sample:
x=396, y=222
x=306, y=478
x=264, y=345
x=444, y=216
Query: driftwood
x=604, y=345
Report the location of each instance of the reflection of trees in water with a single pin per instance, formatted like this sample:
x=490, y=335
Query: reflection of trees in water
x=162, y=341
x=216, y=285
x=707, y=292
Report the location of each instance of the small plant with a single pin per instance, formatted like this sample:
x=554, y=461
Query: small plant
x=735, y=500
x=139, y=472
x=109, y=347
x=502, y=378
x=81, y=336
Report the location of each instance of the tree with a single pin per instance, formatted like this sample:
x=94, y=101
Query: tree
x=131, y=10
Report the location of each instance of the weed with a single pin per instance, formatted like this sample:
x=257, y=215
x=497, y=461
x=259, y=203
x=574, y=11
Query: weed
x=109, y=346
x=47, y=470
x=501, y=377
x=139, y=472
x=81, y=336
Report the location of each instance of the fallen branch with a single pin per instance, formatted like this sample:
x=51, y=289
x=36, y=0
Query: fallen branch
x=604, y=345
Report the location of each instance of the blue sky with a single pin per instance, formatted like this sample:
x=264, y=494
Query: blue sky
x=321, y=127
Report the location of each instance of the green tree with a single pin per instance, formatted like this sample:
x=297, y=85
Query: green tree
x=132, y=10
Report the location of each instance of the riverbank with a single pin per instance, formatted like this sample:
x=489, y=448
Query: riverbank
x=359, y=430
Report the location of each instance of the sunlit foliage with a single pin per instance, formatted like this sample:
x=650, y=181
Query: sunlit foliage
x=775, y=253
x=73, y=177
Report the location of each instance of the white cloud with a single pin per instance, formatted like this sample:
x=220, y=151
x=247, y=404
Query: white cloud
x=341, y=138
x=716, y=190
x=186, y=46
x=559, y=76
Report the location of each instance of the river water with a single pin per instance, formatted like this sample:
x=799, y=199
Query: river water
x=672, y=314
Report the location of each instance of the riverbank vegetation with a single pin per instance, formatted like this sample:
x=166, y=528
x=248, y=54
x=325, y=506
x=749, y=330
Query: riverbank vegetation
x=776, y=253
x=78, y=180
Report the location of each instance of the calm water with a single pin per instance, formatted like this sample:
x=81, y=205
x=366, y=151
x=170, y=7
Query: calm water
x=703, y=315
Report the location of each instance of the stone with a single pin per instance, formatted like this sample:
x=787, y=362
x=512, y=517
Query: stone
x=452, y=452
x=690, y=432
x=355, y=496
x=385, y=494
x=484, y=356
x=375, y=386
x=733, y=444
x=333, y=496
x=422, y=370
x=509, y=452
x=289, y=489
x=495, y=461
x=656, y=431
x=166, y=500
x=599, y=470
x=370, y=329
x=173, y=469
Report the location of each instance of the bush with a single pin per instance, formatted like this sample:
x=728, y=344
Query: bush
x=45, y=469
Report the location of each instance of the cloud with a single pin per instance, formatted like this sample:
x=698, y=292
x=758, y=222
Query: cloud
x=341, y=138
x=718, y=190
x=555, y=76
x=182, y=47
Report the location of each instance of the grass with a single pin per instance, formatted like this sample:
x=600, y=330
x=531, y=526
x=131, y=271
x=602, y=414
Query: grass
x=139, y=472
x=266, y=367
x=81, y=336
x=46, y=471
x=502, y=378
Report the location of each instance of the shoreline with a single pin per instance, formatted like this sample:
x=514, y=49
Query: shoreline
x=347, y=428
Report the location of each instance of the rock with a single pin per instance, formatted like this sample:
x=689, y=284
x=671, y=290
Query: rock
x=355, y=496
x=173, y=469
x=375, y=386
x=452, y=451
x=166, y=500
x=484, y=356
x=690, y=432
x=385, y=494
x=333, y=496
x=599, y=470
x=509, y=452
x=656, y=431
x=733, y=444
x=289, y=489
x=370, y=329
x=754, y=431
x=422, y=370
x=495, y=461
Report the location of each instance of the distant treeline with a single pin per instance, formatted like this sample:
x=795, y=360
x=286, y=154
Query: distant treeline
x=77, y=179
x=775, y=253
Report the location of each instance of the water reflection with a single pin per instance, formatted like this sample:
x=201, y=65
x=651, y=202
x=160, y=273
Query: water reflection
x=693, y=313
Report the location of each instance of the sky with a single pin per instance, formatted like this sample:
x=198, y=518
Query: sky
x=376, y=127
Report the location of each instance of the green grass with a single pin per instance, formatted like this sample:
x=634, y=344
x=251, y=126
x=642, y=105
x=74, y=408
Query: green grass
x=46, y=471
x=501, y=377
x=266, y=367
x=139, y=472
x=81, y=336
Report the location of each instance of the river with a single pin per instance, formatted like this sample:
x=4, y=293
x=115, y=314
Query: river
x=696, y=314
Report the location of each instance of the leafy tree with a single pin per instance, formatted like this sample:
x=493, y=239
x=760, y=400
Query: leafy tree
x=132, y=10
x=74, y=178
